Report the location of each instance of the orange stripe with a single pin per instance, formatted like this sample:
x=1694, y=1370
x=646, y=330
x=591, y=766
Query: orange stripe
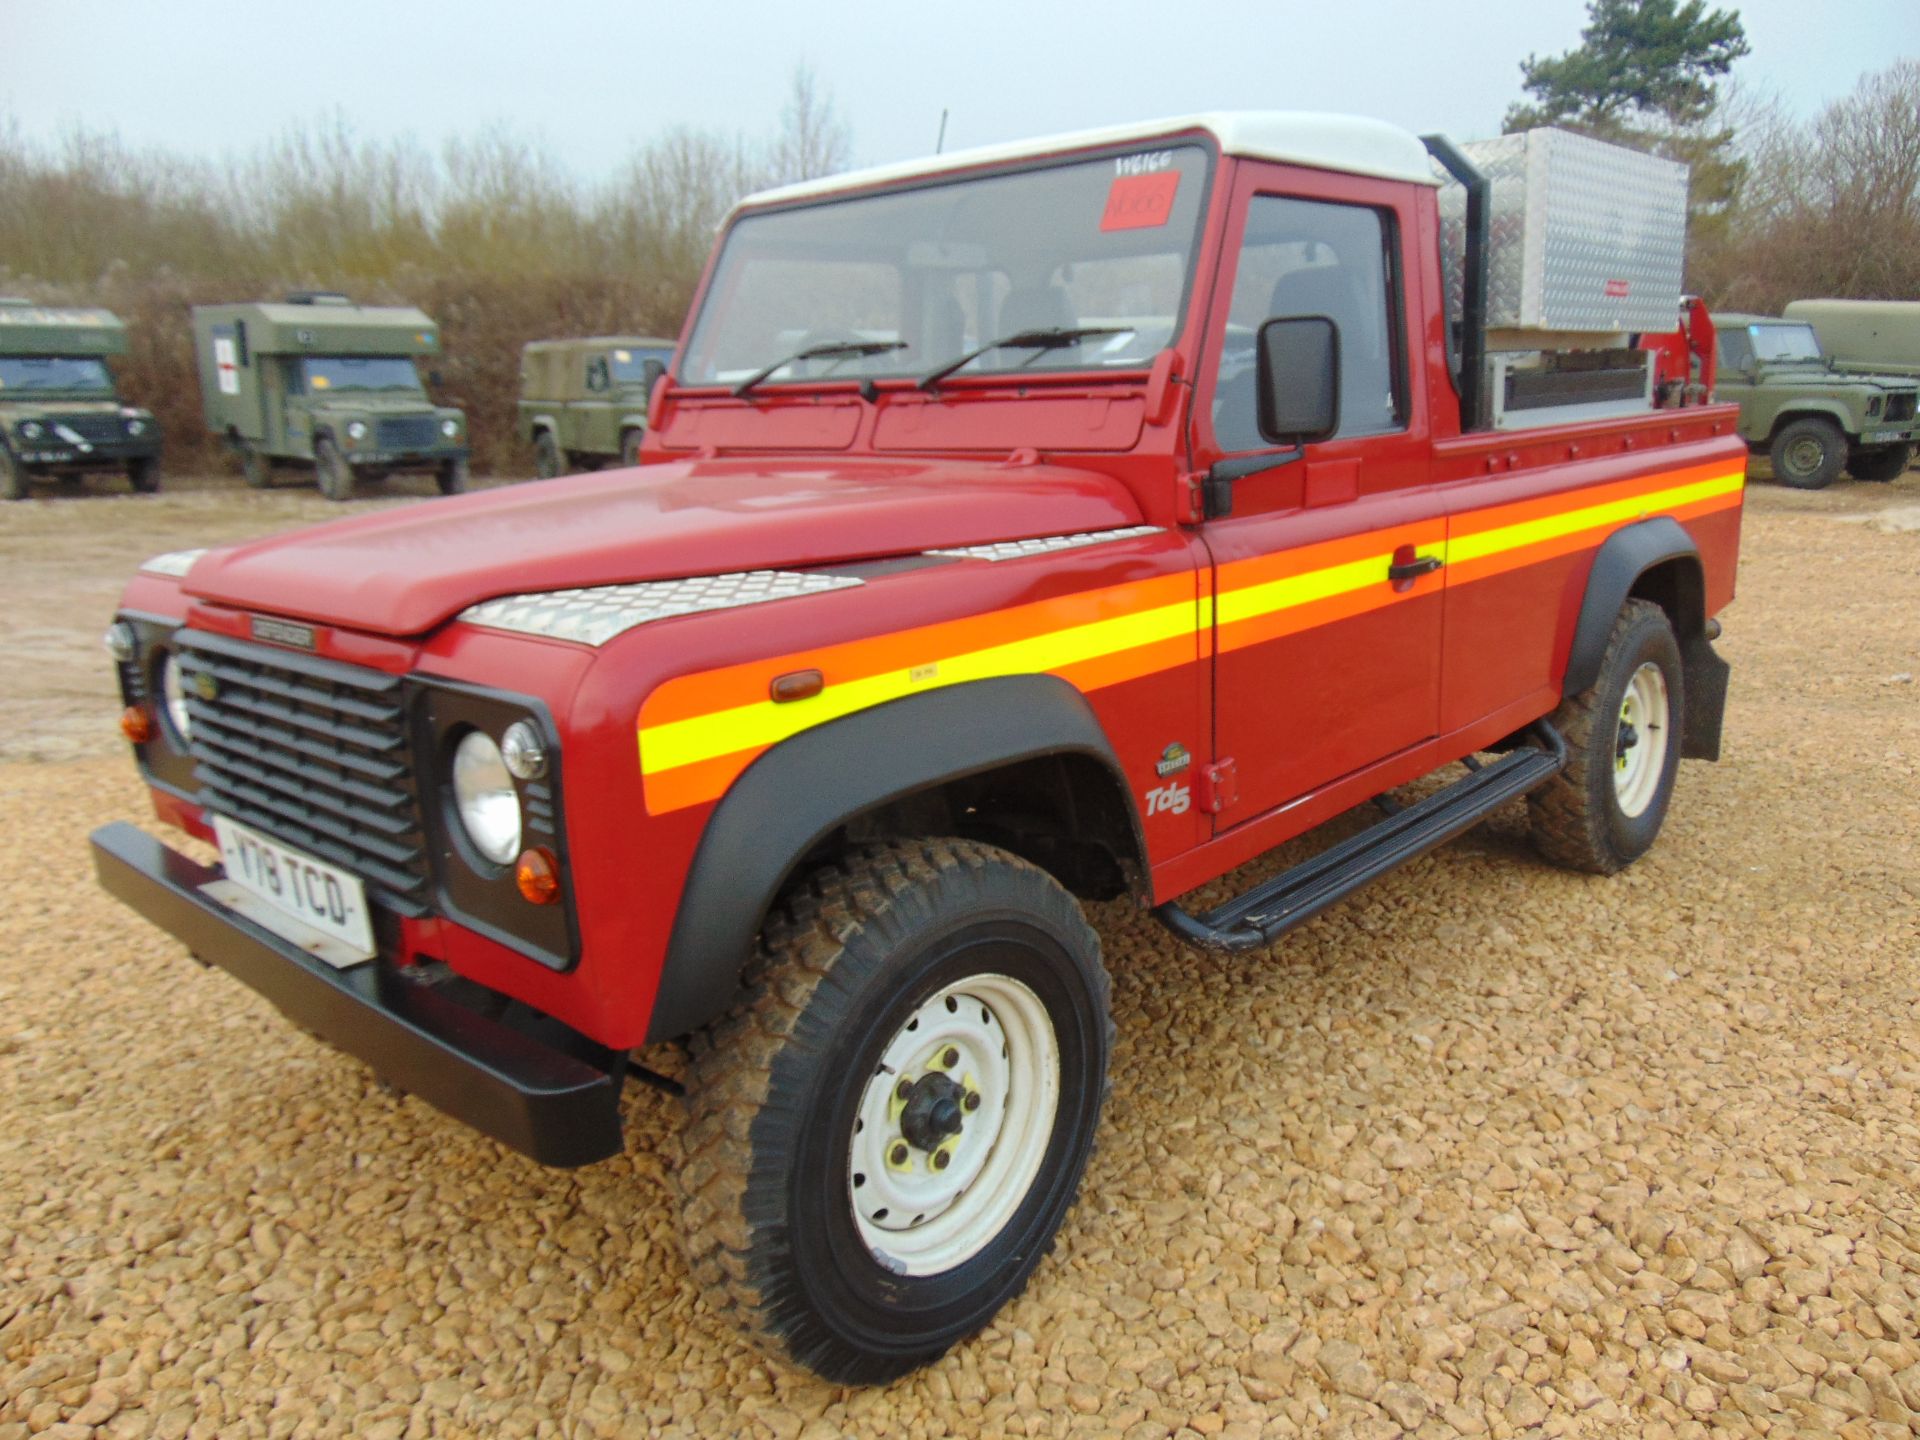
x=1291, y=621
x=1559, y=502
x=1541, y=551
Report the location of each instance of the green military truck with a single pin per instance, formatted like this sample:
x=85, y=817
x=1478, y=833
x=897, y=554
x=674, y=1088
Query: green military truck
x=319, y=381
x=1808, y=415
x=584, y=402
x=60, y=414
x=1881, y=336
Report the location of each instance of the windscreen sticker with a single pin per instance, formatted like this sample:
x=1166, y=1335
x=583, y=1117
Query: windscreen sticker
x=321, y=382
x=1141, y=196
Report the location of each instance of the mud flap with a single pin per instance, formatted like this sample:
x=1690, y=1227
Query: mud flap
x=1706, y=676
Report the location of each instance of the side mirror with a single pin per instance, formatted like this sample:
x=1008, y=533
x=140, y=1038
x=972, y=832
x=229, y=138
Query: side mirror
x=1299, y=379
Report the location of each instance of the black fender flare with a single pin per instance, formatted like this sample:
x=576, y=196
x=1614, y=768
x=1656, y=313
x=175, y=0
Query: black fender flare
x=1624, y=558
x=804, y=788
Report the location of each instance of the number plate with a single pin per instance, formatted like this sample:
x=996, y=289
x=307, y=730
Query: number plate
x=299, y=898
x=1882, y=437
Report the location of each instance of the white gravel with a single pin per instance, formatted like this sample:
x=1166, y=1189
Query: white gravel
x=1490, y=1150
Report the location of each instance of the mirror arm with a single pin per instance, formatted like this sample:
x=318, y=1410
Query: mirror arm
x=1217, y=500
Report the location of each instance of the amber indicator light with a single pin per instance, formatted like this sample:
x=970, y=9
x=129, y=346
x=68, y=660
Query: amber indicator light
x=538, y=876
x=800, y=685
x=136, y=724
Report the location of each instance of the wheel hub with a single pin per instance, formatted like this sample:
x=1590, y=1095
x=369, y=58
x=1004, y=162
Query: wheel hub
x=933, y=1113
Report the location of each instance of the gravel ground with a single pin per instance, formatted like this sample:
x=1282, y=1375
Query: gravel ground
x=1490, y=1149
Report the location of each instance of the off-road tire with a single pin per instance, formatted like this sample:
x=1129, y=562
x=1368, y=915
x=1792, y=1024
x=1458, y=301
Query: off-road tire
x=144, y=475
x=332, y=470
x=13, y=477
x=549, y=460
x=1879, y=463
x=255, y=468
x=630, y=446
x=846, y=956
x=1577, y=818
x=1807, y=453
x=452, y=476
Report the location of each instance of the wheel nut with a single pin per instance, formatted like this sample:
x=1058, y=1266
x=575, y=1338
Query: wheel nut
x=941, y=1159
x=899, y=1156
x=951, y=1058
x=972, y=1101
x=904, y=1089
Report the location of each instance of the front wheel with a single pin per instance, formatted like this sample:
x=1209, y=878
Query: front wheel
x=1807, y=454
x=451, y=477
x=331, y=467
x=886, y=1135
x=1604, y=810
x=144, y=475
x=254, y=468
x=549, y=461
x=630, y=447
x=13, y=479
x=1879, y=462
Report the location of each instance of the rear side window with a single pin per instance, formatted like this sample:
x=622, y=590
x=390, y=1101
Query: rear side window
x=1308, y=257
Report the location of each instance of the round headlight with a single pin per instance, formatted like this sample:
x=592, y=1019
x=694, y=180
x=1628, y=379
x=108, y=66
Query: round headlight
x=175, y=695
x=134, y=427
x=520, y=748
x=485, y=799
x=357, y=430
x=449, y=428
x=30, y=429
x=120, y=641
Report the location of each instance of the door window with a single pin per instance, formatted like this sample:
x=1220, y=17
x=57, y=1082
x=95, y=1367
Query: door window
x=597, y=373
x=1308, y=257
x=1736, y=351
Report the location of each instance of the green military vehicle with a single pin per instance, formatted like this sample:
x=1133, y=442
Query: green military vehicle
x=1882, y=336
x=60, y=415
x=319, y=381
x=1810, y=416
x=584, y=402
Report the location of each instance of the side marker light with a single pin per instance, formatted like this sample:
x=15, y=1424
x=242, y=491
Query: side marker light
x=538, y=876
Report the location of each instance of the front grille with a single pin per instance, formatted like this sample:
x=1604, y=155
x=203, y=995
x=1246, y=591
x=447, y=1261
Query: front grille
x=312, y=752
x=407, y=432
x=1900, y=405
x=94, y=429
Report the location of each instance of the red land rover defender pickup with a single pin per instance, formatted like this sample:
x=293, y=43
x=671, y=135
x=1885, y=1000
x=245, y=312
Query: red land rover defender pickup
x=1073, y=519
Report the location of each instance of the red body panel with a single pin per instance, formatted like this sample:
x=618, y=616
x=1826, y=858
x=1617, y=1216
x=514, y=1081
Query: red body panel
x=1245, y=637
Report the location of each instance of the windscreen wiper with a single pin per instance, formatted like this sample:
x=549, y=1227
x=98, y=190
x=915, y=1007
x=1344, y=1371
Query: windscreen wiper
x=832, y=350
x=1038, y=340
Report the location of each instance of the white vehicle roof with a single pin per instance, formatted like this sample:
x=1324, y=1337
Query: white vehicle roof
x=1350, y=144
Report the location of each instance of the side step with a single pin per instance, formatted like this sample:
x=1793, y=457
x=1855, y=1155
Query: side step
x=1295, y=896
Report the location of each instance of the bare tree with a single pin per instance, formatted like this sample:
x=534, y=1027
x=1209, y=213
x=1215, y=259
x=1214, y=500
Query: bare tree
x=813, y=140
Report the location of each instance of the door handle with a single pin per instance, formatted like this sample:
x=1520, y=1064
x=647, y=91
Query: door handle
x=1413, y=569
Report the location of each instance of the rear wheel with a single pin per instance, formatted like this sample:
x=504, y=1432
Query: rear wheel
x=144, y=474
x=254, y=467
x=549, y=461
x=452, y=476
x=13, y=479
x=630, y=447
x=1807, y=454
x=888, y=1132
x=1879, y=462
x=1604, y=810
x=334, y=473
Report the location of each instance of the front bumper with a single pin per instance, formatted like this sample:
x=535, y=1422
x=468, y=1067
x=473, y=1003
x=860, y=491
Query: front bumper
x=546, y=1102
x=106, y=455
x=437, y=455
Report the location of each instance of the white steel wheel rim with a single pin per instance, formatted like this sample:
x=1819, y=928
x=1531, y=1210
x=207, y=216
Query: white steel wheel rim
x=1640, y=744
x=993, y=1038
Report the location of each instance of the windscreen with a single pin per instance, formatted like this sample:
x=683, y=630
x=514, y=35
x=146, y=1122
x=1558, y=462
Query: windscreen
x=325, y=374
x=936, y=272
x=74, y=374
x=1785, y=342
x=639, y=367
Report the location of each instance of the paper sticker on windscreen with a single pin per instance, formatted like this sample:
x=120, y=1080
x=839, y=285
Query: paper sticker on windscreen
x=1140, y=202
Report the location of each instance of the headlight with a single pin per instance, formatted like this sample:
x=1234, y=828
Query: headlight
x=484, y=798
x=121, y=642
x=449, y=428
x=135, y=427
x=175, y=695
x=30, y=429
x=357, y=430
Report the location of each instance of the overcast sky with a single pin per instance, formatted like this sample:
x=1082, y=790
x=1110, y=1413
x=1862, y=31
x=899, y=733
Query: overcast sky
x=592, y=80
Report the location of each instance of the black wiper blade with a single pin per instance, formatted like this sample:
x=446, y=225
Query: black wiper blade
x=1054, y=339
x=832, y=350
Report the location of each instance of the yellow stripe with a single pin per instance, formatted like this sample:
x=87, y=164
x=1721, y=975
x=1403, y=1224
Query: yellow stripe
x=1551, y=527
x=705, y=737
x=763, y=723
x=1252, y=601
